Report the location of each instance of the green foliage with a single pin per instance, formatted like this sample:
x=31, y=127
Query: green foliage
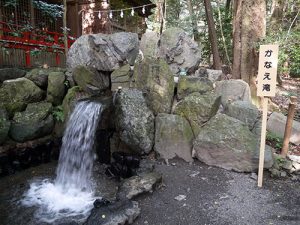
x=289, y=51
x=51, y=10
x=58, y=113
x=275, y=141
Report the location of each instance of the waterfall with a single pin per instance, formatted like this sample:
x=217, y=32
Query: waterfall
x=71, y=193
x=76, y=156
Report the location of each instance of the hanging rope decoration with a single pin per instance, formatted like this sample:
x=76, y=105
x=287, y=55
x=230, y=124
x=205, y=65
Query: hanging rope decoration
x=122, y=11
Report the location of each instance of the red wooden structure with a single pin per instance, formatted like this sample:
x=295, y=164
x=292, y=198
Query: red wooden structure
x=16, y=37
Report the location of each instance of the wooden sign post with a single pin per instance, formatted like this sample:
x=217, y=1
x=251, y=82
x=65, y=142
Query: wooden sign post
x=266, y=87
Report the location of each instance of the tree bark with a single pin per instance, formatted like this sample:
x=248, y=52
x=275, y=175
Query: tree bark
x=212, y=35
x=65, y=27
x=249, y=26
x=193, y=20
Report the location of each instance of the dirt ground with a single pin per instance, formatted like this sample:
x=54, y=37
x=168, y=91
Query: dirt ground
x=218, y=197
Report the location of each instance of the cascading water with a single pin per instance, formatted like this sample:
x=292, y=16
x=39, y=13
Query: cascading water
x=71, y=193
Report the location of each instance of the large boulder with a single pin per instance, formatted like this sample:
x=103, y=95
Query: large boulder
x=179, y=50
x=198, y=109
x=245, y=112
x=16, y=94
x=121, y=77
x=134, y=120
x=173, y=137
x=191, y=84
x=276, y=125
x=228, y=143
x=35, y=122
x=233, y=90
x=156, y=81
x=90, y=80
x=56, y=88
x=4, y=125
x=149, y=44
x=104, y=52
x=40, y=75
x=11, y=73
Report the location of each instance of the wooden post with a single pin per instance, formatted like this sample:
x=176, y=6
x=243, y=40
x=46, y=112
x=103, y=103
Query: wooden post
x=262, y=141
x=288, y=126
x=266, y=87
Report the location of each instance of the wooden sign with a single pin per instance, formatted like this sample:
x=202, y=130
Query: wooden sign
x=266, y=87
x=267, y=70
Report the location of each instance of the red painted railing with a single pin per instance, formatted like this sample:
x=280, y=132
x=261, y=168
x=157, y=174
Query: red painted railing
x=33, y=40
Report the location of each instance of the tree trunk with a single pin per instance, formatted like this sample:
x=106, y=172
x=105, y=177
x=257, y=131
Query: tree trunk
x=65, y=27
x=249, y=26
x=193, y=20
x=212, y=35
x=93, y=22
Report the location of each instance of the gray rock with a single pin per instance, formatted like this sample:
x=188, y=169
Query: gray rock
x=155, y=79
x=149, y=44
x=233, y=90
x=276, y=125
x=56, y=88
x=40, y=75
x=173, y=137
x=103, y=52
x=4, y=125
x=243, y=111
x=201, y=72
x=35, y=122
x=11, y=73
x=134, y=120
x=16, y=94
x=228, y=143
x=90, y=80
x=198, y=109
x=214, y=75
x=179, y=50
x=136, y=185
x=191, y=84
x=117, y=145
x=120, y=212
x=121, y=77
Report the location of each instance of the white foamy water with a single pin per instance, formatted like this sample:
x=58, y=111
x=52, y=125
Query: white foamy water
x=71, y=193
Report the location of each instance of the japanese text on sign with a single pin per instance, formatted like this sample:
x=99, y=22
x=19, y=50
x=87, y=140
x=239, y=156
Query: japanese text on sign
x=267, y=70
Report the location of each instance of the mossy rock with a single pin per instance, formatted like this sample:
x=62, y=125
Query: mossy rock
x=73, y=95
x=35, y=122
x=190, y=84
x=173, y=137
x=228, y=143
x=40, y=75
x=121, y=77
x=155, y=79
x=198, y=109
x=56, y=88
x=91, y=80
x=16, y=94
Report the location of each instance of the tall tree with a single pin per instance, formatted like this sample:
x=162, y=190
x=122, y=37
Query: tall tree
x=65, y=27
x=249, y=26
x=212, y=35
x=193, y=20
